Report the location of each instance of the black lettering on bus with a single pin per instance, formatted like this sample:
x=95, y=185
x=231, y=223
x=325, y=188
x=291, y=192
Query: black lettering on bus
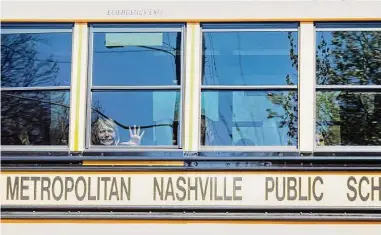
x=80, y=197
x=35, y=179
x=291, y=187
x=114, y=189
x=125, y=189
x=301, y=197
x=280, y=197
x=89, y=196
x=158, y=188
x=216, y=197
x=13, y=192
x=268, y=188
x=316, y=179
x=45, y=188
x=24, y=187
x=362, y=179
x=204, y=189
x=352, y=188
x=55, y=180
x=236, y=188
x=192, y=187
x=169, y=190
x=181, y=188
x=376, y=188
x=226, y=197
x=105, y=189
x=68, y=187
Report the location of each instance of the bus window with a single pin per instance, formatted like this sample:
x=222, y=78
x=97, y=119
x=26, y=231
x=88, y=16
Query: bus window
x=135, y=85
x=348, y=79
x=249, y=85
x=35, y=84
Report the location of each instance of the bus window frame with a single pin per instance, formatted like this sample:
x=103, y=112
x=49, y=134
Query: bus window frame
x=134, y=28
x=248, y=27
x=41, y=28
x=341, y=26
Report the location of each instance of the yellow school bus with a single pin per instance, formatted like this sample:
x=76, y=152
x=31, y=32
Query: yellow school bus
x=168, y=117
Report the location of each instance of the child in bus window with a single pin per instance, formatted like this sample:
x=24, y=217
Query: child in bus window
x=105, y=132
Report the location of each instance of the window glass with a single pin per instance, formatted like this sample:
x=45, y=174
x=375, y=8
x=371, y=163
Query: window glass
x=249, y=85
x=156, y=113
x=35, y=83
x=137, y=59
x=136, y=85
x=250, y=58
x=35, y=117
x=348, y=58
x=348, y=70
x=348, y=118
x=249, y=118
x=35, y=59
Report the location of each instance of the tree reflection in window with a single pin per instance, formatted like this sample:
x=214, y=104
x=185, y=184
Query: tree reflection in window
x=348, y=117
x=34, y=116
